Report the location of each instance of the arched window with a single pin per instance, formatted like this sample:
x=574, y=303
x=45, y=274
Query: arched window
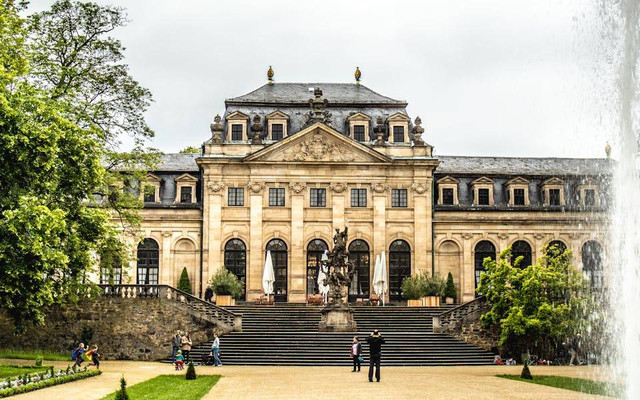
x=592, y=263
x=315, y=250
x=521, y=248
x=399, y=267
x=484, y=249
x=279, y=257
x=148, y=255
x=359, y=256
x=557, y=244
x=235, y=260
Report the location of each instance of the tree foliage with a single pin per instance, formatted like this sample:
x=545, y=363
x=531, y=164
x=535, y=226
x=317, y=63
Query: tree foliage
x=183, y=283
x=450, y=289
x=191, y=150
x=537, y=307
x=225, y=283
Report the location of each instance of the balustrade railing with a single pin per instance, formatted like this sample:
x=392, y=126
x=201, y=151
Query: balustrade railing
x=454, y=318
x=196, y=305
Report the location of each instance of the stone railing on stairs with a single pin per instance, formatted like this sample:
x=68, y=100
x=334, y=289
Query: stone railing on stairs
x=228, y=320
x=453, y=320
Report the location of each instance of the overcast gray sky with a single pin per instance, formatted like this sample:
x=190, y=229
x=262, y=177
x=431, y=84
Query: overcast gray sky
x=506, y=78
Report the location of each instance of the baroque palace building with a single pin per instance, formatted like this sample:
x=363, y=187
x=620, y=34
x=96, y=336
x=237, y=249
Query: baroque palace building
x=289, y=163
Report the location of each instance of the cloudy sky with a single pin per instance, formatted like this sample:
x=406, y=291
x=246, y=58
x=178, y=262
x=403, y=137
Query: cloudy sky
x=506, y=78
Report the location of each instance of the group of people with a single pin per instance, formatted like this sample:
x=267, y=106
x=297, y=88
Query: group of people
x=375, y=341
x=79, y=353
x=181, y=345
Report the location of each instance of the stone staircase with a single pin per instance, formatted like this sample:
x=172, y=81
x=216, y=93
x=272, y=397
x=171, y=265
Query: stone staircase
x=285, y=335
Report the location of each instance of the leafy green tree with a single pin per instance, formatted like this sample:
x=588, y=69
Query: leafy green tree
x=225, y=283
x=183, y=283
x=191, y=150
x=538, y=307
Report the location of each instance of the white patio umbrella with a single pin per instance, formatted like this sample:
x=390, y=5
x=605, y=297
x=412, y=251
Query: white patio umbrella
x=268, y=277
x=380, y=276
x=322, y=275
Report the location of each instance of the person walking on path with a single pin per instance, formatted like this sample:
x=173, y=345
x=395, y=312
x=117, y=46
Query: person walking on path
x=356, y=353
x=215, y=350
x=575, y=349
x=95, y=356
x=375, y=341
x=186, y=346
x=78, y=354
x=176, y=343
x=208, y=294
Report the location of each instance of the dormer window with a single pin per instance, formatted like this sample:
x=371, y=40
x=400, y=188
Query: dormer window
x=589, y=194
x=482, y=191
x=186, y=189
x=237, y=126
x=359, y=126
x=398, y=128
x=553, y=192
x=518, y=192
x=448, y=191
x=589, y=197
x=277, y=125
x=150, y=189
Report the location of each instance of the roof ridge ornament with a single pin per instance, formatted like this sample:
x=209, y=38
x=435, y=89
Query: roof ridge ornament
x=357, y=75
x=417, y=133
x=270, y=75
x=607, y=150
x=256, y=130
x=318, y=112
x=216, y=130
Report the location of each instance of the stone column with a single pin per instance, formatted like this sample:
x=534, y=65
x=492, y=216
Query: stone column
x=212, y=229
x=421, y=228
x=297, y=265
x=468, y=269
x=166, y=272
x=379, y=194
x=256, y=260
x=338, y=205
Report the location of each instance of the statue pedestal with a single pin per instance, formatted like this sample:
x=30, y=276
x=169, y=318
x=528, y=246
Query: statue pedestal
x=337, y=319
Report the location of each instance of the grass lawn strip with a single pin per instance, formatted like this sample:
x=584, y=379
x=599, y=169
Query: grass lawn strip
x=9, y=371
x=27, y=354
x=574, y=384
x=170, y=387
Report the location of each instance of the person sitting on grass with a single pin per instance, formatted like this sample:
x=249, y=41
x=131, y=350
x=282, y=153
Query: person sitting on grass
x=179, y=361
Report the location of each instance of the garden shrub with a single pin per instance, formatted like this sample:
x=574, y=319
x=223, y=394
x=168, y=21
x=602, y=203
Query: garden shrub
x=450, y=289
x=225, y=283
x=122, y=393
x=49, y=382
x=183, y=283
x=526, y=374
x=191, y=372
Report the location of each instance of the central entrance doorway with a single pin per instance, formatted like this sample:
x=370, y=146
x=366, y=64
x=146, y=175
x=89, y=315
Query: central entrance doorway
x=359, y=256
x=279, y=257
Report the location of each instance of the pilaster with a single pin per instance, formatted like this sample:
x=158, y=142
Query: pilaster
x=256, y=258
x=297, y=267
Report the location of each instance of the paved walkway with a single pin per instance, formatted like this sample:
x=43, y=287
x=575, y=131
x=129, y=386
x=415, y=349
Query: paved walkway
x=309, y=383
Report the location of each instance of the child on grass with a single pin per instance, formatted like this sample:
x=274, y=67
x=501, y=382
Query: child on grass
x=179, y=361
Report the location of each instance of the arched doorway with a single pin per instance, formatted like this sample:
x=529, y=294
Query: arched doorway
x=361, y=259
x=522, y=249
x=235, y=260
x=558, y=244
x=315, y=250
x=484, y=249
x=279, y=257
x=592, y=263
x=399, y=267
x=147, y=268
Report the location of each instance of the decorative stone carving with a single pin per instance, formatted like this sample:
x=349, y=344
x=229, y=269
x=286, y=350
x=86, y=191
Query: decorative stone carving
x=379, y=131
x=216, y=130
x=318, y=111
x=256, y=130
x=270, y=75
x=467, y=235
x=539, y=236
x=419, y=187
x=215, y=187
x=316, y=147
x=357, y=75
x=256, y=187
x=417, y=133
x=503, y=236
x=379, y=187
x=575, y=235
x=338, y=187
x=166, y=234
x=297, y=187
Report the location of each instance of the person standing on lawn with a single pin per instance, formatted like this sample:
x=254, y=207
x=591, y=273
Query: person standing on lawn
x=356, y=353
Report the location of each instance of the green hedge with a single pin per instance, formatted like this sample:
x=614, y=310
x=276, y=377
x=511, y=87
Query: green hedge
x=49, y=382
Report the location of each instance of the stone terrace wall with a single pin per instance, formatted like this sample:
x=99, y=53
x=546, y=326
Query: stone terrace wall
x=125, y=329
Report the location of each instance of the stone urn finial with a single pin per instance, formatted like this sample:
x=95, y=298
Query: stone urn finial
x=417, y=133
x=379, y=131
x=270, y=75
x=607, y=150
x=256, y=130
x=216, y=130
x=357, y=75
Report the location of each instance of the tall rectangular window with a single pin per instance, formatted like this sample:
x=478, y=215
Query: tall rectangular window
x=358, y=133
x=483, y=197
x=277, y=132
x=518, y=197
x=447, y=196
x=149, y=194
x=398, y=197
x=318, y=197
x=276, y=197
x=358, y=197
x=236, y=132
x=235, y=197
x=589, y=197
x=186, y=193
x=398, y=134
x=554, y=197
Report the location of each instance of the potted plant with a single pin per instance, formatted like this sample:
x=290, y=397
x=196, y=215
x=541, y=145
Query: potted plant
x=433, y=290
x=450, y=293
x=226, y=286
x=412, y=290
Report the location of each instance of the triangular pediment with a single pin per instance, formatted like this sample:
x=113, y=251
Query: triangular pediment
x=482, y=181
x=186, y=178
x=318, y=144
x=358, y=117
x=448, y=180
x=277, y=115
x=237, y=115
x=553, y=181
x=152, y=178
x=517, y=181
x=399, y=117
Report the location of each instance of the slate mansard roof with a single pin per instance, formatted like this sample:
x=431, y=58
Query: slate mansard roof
x=469, y=165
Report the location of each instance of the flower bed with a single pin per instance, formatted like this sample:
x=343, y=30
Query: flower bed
x=29, y=382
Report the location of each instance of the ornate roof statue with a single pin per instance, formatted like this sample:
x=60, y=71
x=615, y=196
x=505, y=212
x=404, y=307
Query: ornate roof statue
x=417, y=133
x=357, y=74
x=318, y=112
x=379, y=131
x=256, y=130
x=270, y=75
x=216, y=130
x=607, y=150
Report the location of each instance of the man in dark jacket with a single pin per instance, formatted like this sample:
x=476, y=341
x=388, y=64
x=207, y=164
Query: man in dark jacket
x=208, y=294
x=375, y=351
x=176, y=342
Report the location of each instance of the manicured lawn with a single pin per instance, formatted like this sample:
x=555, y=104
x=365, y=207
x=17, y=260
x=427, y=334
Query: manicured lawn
x=170, y=387
x=9, y=371
x=29, y=354
x=575, y=384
